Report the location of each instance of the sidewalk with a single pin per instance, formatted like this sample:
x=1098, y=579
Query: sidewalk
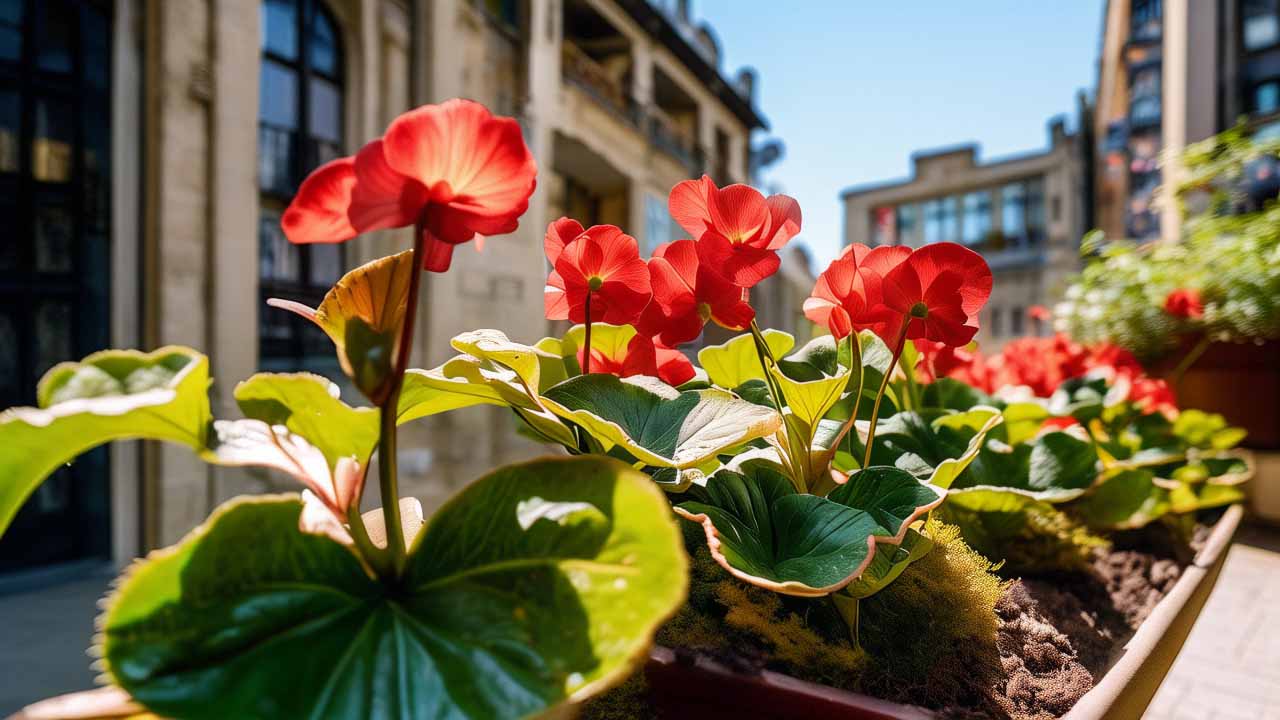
x=1229, y=668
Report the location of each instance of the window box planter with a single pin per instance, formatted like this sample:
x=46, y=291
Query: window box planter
x=688, y=687
x=1240, y=381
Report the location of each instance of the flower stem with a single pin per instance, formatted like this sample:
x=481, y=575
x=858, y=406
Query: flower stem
x=390, y=410
x=1175, y=377
x=586, y=355
x=765, y=354
x=884, y=385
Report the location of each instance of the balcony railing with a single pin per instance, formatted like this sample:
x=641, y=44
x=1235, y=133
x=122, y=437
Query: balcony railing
x=583, y=70
x=675, y=140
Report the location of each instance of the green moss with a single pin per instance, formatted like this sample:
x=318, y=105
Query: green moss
x=1039, y=539
x=929, y=638
x=628, y=701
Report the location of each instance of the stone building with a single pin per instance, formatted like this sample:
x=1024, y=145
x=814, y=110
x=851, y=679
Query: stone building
x=1025, y=214
x=1172, y=72
x=148, y=147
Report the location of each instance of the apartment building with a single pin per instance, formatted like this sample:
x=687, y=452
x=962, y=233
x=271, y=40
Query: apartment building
x=1025, y=214
x=148, y=147
x=1172, y=72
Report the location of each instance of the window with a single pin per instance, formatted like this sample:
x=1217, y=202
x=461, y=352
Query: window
x=977, y=217
x=723, y=177
x=300, y=122
x=1260, y=27
x=1145, y=18
x=659, y=227
x=1144, y=93
x=1056, y=204
x=55, y=280
x=1016, y=317
x=883, y=226
x=997, y=322
x=940, y=220
x=1264, y=97
x=908, y=224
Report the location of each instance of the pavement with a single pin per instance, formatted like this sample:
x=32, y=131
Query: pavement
x=1229, y=668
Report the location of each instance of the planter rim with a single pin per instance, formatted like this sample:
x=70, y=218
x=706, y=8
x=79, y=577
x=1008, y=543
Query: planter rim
x=1101, y=702
x=1151, y=651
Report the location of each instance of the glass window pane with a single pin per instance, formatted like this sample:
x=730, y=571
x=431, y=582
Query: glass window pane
x=275, y=160
x=53, y=334
x=1266, y=97
x=10, y=127
x=54, y=235
x=10, y=43
x=10, y=248
x=52, y=141
x=1016, y=317
x=326, y=264
x=325, y=110
x=95, y=39
x=278, y=95
x=11, y=12
x=280, y=28
x=96, y=177
x=54, y=20
x=1013, y=213
x=324, y=45
x=977, y=217
x=11, y=391
x=278, y=257
x=1261, y=23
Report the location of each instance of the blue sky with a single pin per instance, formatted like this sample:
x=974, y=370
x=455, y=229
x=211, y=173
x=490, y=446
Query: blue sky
x=853, y=87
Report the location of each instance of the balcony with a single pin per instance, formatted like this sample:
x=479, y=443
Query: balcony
x=674, y=139
x=594, y=79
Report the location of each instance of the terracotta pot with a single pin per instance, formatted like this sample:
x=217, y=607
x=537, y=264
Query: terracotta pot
x=1241, y=381
x=701, y=689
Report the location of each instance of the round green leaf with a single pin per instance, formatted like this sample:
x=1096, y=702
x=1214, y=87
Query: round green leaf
x=657, y=424
x=540, y=583
x=110, y=395
x=734, y=362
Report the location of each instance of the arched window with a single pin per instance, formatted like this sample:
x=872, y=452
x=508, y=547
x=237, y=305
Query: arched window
x=300, y=111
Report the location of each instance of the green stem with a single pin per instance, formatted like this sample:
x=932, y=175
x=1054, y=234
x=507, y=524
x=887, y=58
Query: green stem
x=376, y=557
x=1175, y=378
x=765, y=354
x=389, y=412
x=884, y=385
x=586, y=355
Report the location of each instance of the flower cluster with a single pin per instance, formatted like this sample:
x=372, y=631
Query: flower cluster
x=933, y=293
x=598, y=275
x=1041, y=364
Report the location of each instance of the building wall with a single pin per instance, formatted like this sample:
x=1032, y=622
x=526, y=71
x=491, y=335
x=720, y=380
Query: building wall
x=1023, y=276
x=198, y=224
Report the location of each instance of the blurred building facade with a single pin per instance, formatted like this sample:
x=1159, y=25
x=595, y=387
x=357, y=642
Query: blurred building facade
x=148, y=148
x=1025, y=215
x=1172, y=72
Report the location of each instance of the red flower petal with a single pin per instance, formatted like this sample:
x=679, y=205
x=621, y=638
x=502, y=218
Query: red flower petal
x=740, y=214
x=382, y=198
x=560, y=233
x=689, y=205
x=673, y=367
x=318, y=213
x=743, y=265
x=784, y=224
x=554, y=299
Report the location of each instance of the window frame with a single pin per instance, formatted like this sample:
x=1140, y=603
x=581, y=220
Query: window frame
x=292, y=352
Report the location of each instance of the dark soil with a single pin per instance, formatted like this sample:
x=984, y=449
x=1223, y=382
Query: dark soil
x=1060, y=634
x=1056, y=635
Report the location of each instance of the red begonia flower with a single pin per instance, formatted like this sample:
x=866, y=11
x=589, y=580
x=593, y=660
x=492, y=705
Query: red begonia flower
x=1184, y=303
x=641, y=357
x=454, y=168
x=964, y=364
x=603, y=264
x=936, y=294
x=848, y=291
x=738, y=231
x=686, y=294
x=1039, y=313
